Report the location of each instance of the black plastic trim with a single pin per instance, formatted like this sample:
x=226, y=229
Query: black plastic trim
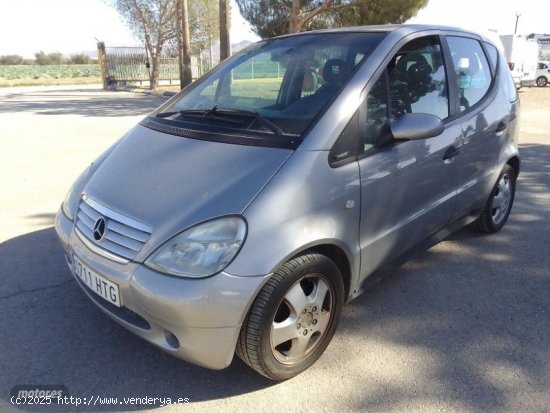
x=223, y=135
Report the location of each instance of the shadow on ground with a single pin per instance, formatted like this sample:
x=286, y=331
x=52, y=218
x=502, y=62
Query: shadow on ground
x=56, y=335
x=475, y=308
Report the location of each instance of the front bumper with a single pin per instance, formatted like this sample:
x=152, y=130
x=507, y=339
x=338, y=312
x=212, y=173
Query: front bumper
x=197, y=320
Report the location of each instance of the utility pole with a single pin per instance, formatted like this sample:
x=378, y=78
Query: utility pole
x=518, y=15
x=225, y=45
x=184, y=46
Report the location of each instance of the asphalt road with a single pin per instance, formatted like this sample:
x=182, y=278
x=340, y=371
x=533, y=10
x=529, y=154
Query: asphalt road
x=464, y=327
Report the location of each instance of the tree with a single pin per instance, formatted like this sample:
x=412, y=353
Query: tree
x=225, y=44
x=203, y=24
x=270, y=18
x=300, y=16
x=375, y=12
x=266, y=20
x=56, y=58
x=184, y=46
x=42, y=58
x=80, y=59
x=53, y=58
x=152, y=21
x=11, y=59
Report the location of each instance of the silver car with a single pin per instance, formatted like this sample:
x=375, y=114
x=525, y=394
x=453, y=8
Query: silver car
x=543, y=73
x=242, y=214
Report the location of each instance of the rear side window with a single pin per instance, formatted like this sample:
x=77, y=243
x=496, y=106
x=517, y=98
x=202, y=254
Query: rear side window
x=507, y=80
x=472, y=71
x=493, y=53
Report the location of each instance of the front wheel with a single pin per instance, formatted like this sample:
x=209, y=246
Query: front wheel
x=542, y=81
x=497, y=209
x=293, y=317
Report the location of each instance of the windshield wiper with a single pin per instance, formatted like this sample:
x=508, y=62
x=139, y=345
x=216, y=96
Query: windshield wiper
x=224, y=113
x=247, y=114
x=197, y=112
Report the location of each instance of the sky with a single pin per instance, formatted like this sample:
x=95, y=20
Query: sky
x=71, y=26
x=482, y=15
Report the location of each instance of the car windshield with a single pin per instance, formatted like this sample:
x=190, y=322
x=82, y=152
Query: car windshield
x=274, y=87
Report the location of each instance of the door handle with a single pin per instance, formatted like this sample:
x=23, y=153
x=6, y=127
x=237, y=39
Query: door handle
x=451, y=152
x=501, y=127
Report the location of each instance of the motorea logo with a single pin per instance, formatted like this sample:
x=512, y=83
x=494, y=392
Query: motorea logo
x=39, y=391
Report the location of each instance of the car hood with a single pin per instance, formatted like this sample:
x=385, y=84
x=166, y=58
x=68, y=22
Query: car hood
x=170, y=183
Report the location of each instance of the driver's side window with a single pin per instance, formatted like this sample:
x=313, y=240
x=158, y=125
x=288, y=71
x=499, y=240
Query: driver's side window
x=416, y=82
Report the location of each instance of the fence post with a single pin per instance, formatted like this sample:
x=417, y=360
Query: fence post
x=101, y=59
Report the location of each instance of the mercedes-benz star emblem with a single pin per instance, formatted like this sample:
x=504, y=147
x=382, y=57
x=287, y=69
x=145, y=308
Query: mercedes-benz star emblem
x=99, y=229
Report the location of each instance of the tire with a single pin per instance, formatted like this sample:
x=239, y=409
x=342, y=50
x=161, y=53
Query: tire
x=542, y=81
x=497, y=208
x=293, y=318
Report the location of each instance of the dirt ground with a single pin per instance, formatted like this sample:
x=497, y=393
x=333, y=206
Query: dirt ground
x=535, y=110
x=535, y=98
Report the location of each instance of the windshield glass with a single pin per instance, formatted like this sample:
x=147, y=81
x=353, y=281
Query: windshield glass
x=275, y=87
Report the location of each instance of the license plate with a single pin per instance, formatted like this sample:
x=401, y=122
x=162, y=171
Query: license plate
x=97, y=283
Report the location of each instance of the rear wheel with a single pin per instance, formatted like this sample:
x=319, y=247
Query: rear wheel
x=293, y=317
x=542, y=81
x=497, y=209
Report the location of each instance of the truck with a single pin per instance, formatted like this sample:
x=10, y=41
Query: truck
x=522, y=56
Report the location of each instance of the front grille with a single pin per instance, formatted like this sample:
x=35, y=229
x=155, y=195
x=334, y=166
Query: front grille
x=124, y=237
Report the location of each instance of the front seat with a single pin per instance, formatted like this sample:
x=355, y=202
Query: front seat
x=334, y=76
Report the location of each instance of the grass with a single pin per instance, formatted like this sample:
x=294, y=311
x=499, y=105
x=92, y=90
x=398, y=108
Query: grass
x=269, y=87
x=27, y=75
x=48, y=71
x=34, y=75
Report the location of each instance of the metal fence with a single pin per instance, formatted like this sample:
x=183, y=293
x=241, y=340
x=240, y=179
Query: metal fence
x=258, y=68
x=120, y=64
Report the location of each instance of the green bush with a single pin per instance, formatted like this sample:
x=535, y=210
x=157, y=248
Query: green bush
x=80, y=59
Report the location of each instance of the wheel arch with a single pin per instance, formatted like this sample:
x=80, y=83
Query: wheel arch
x=515, y=163
x=337, y=255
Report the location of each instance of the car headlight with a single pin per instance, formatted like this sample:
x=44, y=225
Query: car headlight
x=202, y=250
x=72, y=199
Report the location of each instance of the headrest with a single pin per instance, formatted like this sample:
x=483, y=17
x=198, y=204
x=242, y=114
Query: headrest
x=334, y=71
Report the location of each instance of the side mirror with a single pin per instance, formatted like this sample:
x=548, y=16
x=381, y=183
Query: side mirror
x=412, y=126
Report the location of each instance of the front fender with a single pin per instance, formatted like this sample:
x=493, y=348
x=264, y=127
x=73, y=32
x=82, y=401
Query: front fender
x=307, y=204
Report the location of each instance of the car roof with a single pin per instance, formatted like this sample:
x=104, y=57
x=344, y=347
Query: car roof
x=398, y=29
x=405, y=28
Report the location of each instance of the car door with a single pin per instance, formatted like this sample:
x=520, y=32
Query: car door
x=407, y=188
x=484, y=115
